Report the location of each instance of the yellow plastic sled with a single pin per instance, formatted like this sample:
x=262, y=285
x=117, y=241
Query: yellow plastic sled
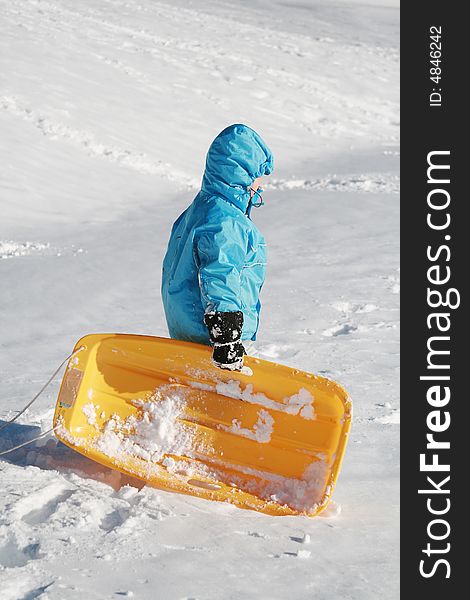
x=270, y=438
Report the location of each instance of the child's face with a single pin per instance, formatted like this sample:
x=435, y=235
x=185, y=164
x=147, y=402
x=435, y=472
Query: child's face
x=256, y=184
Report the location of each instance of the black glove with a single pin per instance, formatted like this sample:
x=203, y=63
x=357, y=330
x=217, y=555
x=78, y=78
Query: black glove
x=225, y=331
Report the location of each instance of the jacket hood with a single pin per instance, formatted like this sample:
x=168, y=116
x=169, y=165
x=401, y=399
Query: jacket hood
x=234, y=160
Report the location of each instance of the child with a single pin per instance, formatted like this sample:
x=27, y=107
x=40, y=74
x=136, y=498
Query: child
x=214, y=267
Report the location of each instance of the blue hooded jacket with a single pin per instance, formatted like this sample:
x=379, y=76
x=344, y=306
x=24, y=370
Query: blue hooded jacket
x=216, y=256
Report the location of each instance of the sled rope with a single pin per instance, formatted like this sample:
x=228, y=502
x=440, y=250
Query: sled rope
x=43, y=434
x=48, y=382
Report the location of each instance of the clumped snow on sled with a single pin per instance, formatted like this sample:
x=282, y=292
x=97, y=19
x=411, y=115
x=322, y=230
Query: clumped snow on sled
x=159, y=410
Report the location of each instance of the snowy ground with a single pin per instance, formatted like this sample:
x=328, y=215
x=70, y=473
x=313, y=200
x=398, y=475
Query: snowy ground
x=106, y=111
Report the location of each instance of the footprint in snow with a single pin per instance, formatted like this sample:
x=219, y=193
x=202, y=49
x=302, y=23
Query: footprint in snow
x=393, y=418
x=276, y=351
x=254, y=534
x=340, y=329
x=12, y=554
x=43, y=513
x=115, y=519
x=348, y=308
x=306, y=331
x=304, y=539
x=39, y=506
x=298, y=554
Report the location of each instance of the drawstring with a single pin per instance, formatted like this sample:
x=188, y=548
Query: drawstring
x=252, y=204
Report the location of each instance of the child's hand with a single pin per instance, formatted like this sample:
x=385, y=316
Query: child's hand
x=229, y=356
x=225, y=331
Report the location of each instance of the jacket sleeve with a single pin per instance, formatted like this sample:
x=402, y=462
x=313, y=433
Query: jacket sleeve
x=220, y=255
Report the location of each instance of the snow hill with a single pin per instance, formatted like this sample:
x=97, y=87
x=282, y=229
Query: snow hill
x=107, y=108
